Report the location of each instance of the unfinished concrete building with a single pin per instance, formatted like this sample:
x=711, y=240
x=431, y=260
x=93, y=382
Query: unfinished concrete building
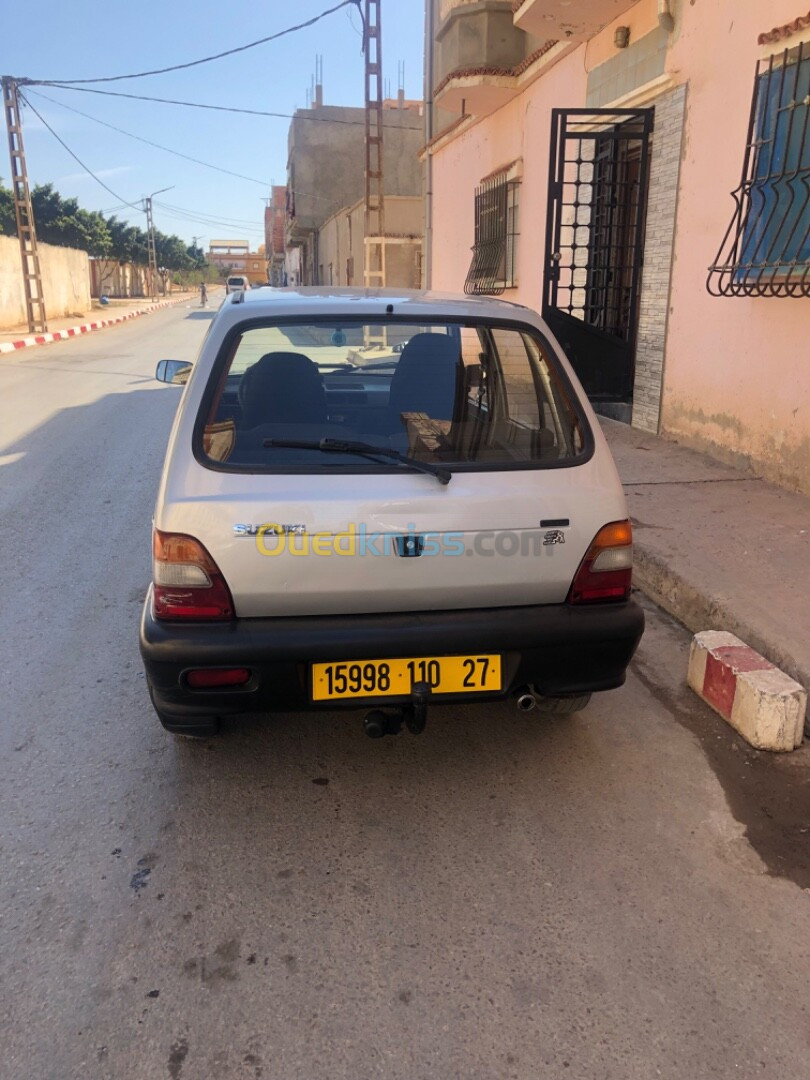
x=325, y=185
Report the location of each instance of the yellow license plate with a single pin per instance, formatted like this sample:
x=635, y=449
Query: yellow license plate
x=394, y=678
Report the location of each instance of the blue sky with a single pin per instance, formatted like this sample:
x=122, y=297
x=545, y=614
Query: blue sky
x=80, y=39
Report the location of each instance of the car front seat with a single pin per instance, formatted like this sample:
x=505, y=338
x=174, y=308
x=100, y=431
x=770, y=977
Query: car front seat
x=282, y=388
x=428, y=378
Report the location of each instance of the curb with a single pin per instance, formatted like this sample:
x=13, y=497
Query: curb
x=84, y=328
x=758, y=700
x=698, y=610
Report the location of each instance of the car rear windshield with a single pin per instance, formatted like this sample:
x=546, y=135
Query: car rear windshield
x=461, y=395
x=236, y=281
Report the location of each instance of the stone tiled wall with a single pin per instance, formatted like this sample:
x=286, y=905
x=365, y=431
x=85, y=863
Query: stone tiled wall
x=642, y=62
x=658, y=246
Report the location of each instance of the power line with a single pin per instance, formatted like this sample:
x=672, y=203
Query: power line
x=190, y=217
x=148, y=142
x=212, y=217
x=204, y=60
x=168, y=150
x=300, y=115
x=78, y=160
x=174, y=211
x=351, y=23
x=206, y=219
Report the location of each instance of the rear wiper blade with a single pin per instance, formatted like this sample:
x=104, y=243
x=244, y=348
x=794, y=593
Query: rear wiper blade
x=362, y=449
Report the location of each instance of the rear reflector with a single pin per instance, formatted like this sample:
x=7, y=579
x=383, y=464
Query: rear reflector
x=607, y=569
x=208, y=678
x=187, y=582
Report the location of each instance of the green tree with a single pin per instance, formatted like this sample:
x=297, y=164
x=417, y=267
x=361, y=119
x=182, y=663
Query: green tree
x=128, y=241
x=197, y=256
x=58, y=221
x=8, y=218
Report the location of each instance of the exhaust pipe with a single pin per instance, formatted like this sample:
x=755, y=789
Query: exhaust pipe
x=526, y=701
x=375, y=725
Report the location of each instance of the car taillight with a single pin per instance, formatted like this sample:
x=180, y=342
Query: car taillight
x=187, y=582
x=607, y=569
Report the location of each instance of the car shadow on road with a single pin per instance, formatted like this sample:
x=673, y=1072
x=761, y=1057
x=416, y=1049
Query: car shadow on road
x=202, y=314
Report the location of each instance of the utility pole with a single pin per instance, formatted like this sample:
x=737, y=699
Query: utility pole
x=374, y=261
x=150, y=241
x=150, y=245
x=26, y=231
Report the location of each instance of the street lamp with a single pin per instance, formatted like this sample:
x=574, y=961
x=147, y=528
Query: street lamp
x=150, y=238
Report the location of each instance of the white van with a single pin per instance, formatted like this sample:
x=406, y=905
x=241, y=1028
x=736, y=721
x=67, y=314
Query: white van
x=385, y=501
x=237, y=283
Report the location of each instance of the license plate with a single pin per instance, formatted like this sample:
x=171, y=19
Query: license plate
x=394, y=678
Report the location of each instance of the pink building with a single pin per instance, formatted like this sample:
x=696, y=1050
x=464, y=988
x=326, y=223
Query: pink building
x=595, y=159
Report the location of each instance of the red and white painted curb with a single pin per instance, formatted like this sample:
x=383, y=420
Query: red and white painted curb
x=763, y=704
x=84, y=328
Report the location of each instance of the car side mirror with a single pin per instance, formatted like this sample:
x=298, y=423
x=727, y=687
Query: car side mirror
x=175, y=372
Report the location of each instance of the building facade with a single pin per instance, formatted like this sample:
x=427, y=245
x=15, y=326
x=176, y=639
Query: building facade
x=236, y=256
x=341, y=244
x=274, y=242
x=325, y=176
x=640, y=173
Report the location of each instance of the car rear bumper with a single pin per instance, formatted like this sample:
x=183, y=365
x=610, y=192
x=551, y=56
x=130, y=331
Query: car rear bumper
x=562, y=650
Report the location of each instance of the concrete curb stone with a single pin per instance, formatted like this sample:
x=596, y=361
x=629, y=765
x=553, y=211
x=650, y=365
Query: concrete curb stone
x=698, y=610
x=757, y=699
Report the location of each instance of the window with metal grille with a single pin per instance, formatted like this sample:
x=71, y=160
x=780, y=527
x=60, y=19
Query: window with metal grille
x=494, y=262
x=766, y=249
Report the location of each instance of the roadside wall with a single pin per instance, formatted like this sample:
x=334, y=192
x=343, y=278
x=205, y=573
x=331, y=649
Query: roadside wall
x=65, y=282
x=117, y=280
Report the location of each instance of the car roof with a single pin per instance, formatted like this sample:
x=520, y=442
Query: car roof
x=338, y=301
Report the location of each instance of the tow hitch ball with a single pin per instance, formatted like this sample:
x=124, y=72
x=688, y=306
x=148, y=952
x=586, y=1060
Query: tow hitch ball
x=414, y=716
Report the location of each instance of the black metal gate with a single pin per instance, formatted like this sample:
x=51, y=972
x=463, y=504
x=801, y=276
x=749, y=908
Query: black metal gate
x=597, y=204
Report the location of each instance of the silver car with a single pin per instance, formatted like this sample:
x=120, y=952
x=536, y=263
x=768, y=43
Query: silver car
x=384, y=501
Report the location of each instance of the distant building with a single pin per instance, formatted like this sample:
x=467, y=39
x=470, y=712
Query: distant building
x=232, y=253
x=325, y=178
x=275, y=246
x=237, y=256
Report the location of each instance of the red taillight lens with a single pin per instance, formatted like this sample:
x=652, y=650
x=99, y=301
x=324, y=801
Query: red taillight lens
x=187, y=582
x=210, y=678
x=606, y=571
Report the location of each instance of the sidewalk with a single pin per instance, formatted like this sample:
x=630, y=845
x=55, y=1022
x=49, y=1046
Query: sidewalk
x=718, y=548
x=116, y=311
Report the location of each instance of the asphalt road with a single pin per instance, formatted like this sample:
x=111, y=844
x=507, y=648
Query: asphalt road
x=623, y=894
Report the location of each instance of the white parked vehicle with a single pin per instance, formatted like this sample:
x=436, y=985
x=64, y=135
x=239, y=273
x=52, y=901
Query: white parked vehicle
x=383, y=500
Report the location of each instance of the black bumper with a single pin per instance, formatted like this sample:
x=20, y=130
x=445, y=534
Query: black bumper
x=562, y=650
